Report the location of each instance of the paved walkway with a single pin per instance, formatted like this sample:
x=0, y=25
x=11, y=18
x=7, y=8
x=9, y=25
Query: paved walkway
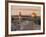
x=26, y=25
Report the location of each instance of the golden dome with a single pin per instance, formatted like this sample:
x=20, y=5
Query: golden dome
x=34, y=14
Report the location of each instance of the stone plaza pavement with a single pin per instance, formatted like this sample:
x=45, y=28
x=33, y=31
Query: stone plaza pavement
x=26, y=25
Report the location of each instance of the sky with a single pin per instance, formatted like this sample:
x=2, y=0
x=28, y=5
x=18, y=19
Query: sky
x=25, y=10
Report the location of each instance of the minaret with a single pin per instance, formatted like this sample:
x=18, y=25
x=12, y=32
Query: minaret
x=21, y=26
x=19, y=17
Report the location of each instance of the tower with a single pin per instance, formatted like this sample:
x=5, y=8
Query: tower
x=19, y=17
